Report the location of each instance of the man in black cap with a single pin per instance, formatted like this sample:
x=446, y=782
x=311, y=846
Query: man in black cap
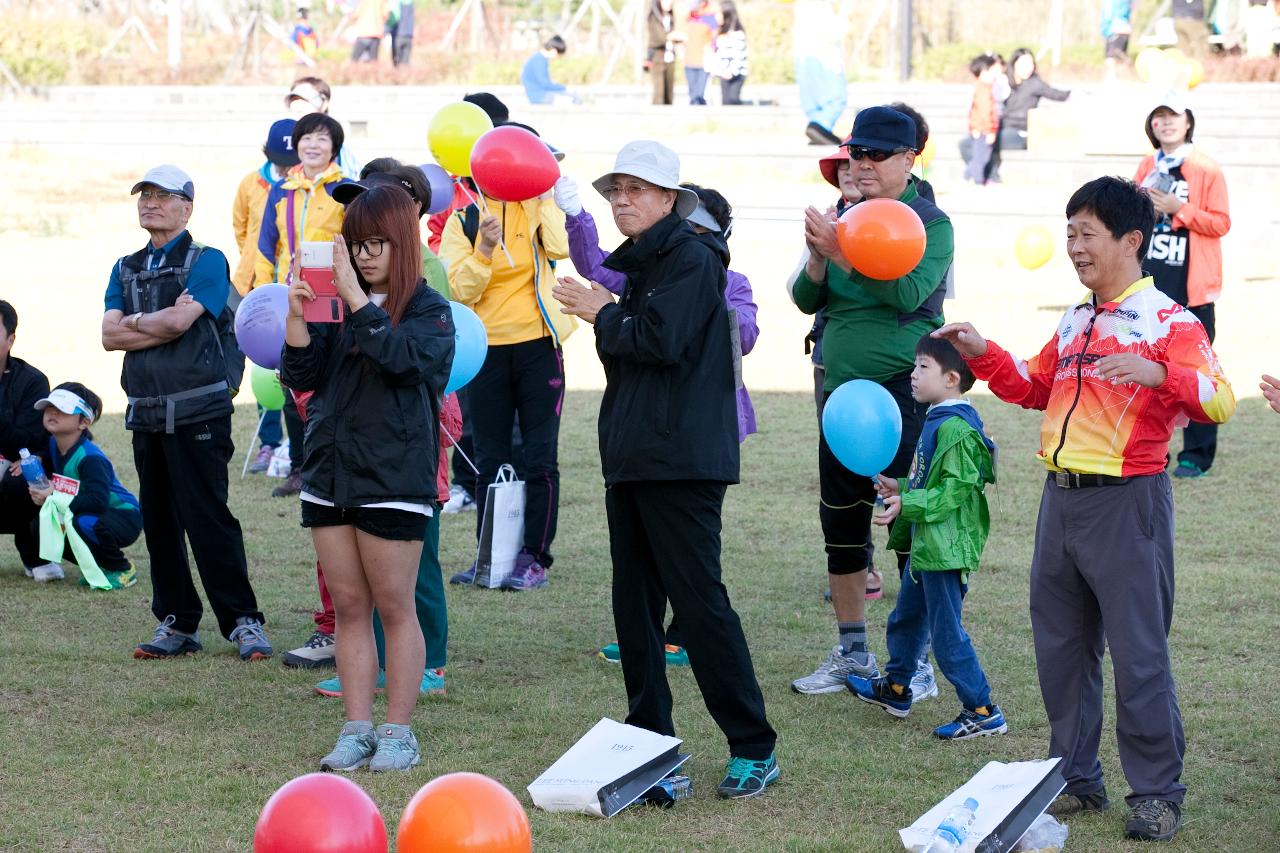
x=166, y=309
x=871, y=333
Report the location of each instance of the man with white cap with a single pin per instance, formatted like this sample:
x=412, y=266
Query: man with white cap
x=166, y=308
x=668, y=448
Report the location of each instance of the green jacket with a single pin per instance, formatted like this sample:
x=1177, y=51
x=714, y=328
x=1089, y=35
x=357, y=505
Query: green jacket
x=945, y=524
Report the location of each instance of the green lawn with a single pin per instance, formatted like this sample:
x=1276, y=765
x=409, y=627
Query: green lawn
x=101, y=752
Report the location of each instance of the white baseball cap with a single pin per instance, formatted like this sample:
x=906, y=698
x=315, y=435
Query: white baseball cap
x=167, y=177
x=65, y=401
x=653, y=162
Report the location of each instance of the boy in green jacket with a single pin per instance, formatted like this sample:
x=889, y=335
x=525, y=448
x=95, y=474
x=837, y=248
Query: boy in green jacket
x=946, y=517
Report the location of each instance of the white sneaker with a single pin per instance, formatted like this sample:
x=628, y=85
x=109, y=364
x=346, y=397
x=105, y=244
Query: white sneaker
x=459, y=501
x=830, y=676
x=319, y=650
x=923, y=684
x=48, y=572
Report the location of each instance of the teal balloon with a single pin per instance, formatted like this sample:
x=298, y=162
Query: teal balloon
x=863, y=426
x=266, y=388
x=470, y=346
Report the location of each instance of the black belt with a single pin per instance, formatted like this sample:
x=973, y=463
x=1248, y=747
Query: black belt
x=1069, y=480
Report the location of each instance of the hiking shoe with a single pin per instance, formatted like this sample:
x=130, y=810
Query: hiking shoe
x=397, y=749
x=830, y=676
x=122, y=579
x=1065, y=805
x=610, y=653
x=466, y=577
x=819, y=135
x=262, y=461
x=432, y=682
x=48, y=572
x=676, y=655
x=875, y=581
x=357, y=743
x=319, y=650
x=1153, y=820
x=292, y=485
x=459, y=501
x=746, y=778
x=251, y=639
x=879, y=691
x=1187, y=471
x=923, y=684
x=972, y=724
x=528, y=574
x=168, y=643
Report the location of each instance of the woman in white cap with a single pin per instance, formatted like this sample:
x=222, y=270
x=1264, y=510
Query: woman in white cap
x=668, y=450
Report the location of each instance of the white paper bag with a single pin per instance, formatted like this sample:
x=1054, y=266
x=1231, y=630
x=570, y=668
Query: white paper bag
x=608, y=769
x=501, y=530
x=1010, y=797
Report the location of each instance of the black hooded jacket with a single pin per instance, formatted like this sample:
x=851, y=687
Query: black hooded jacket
x=669, y=410
x=21, y=425
x=372, y=424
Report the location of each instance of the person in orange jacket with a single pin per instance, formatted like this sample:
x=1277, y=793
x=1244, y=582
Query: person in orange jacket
x=1185, y=259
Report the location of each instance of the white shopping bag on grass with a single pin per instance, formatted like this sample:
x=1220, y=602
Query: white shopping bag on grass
x=608, y=769
x=501, y=530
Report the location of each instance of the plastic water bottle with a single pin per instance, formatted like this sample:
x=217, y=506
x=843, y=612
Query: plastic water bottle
x=950, y=835
x=32, y=469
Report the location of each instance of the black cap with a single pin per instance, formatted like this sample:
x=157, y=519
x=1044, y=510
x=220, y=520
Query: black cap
x=347, y=191
x=884, y=129
x=496, y=110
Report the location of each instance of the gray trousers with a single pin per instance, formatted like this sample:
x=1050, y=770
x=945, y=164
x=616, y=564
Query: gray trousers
x=1102, y=573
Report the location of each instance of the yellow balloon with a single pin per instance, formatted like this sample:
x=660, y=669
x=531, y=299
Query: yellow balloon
x=925, y=157
x=453, y=133
x=1149, y=63
x=1172, y=53
x=1034, y=246
x=1196, y=75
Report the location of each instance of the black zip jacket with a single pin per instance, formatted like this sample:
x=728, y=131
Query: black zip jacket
x=669, y=410
x=372, y=424
x=20, y=424
x=1025, y=96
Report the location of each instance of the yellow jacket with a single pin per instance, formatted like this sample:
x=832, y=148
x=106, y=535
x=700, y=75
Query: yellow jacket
x=246, y=221
x=316, y=216
x=534, y=248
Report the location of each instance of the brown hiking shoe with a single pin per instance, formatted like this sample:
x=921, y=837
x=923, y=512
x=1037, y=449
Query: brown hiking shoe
x=1153, y=820
x=291, y=486
x=1066, y=805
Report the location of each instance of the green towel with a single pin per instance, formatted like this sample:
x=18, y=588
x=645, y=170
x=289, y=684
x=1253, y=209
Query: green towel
x=56, y=530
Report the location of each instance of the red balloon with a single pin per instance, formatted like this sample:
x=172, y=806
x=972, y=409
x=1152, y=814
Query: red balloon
x=464, y=813
x=511, y=164
x=320, y=813
x=882, y=238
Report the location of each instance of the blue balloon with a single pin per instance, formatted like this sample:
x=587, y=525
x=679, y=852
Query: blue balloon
x=863, y=426
x=441, y=187
x=470, y=346
x=259, y=324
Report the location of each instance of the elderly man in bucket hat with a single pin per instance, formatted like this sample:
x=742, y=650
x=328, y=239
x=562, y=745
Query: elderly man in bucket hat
x=166, y=308
x=669, y=449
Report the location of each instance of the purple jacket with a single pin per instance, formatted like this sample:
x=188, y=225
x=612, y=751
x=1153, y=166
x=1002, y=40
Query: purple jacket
x=588, y=258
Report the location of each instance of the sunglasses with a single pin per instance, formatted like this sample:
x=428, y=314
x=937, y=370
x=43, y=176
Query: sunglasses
x=877, y=155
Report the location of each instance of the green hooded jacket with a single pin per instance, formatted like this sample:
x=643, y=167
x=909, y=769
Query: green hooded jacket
x=945, y=524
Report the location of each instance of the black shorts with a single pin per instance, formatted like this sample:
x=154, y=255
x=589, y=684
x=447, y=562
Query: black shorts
x=1118, y=47
x=396, y=524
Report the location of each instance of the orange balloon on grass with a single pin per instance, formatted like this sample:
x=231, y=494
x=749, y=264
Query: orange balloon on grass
x=882, y=238
x=464, y=813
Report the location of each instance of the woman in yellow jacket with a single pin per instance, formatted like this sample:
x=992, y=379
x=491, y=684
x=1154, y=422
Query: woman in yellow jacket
x=301, y=207
x=251, y=199
x=523, y=372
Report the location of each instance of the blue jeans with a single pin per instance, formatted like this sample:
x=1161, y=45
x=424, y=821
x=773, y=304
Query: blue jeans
x=930, y=602
x=697, y=80
x=271, y=434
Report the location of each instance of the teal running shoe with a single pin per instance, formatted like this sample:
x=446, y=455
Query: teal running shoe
x=746, y=778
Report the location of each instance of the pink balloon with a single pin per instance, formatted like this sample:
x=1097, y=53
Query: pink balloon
x=320, y=813
x=511, y=164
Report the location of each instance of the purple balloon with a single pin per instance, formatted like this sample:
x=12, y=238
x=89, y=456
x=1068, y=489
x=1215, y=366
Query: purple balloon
x=260, y=324
x=441, y=187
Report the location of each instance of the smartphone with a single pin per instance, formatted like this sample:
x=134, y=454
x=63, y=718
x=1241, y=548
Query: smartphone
x=316, y=262
x=1163, y=182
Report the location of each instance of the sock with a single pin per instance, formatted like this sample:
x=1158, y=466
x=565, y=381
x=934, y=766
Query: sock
x=393, y=730
x=357, y=727
x=982, y=711
x=897, y=689
x=853, y=637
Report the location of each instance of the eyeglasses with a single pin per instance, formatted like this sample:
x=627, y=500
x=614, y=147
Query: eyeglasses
x=629, y=191
x=160, y=195
x=371, y=247
x=877, y=155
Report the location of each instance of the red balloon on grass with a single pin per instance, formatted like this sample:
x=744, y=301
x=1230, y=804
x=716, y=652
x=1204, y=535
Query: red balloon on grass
x=320, y=813
x=464, y=813
x=511, y=164
x=882, y=238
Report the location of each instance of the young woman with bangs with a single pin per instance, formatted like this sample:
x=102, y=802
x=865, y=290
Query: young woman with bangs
x=377, y=379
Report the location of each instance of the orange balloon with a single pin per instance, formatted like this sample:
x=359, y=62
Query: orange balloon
x=464, y=813
x=882, y=238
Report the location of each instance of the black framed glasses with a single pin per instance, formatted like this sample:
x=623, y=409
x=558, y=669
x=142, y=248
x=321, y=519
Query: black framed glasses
x=877, y=155
x=371, y=247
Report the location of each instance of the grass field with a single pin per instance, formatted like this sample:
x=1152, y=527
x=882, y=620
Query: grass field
x=104, y=753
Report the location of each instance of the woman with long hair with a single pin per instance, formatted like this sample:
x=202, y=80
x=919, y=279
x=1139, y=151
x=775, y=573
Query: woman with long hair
x=369, y=458
x=731, y=55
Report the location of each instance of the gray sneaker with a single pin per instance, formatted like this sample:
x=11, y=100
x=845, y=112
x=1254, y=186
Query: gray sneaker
x=923, y=684
x=397, y=749
x=168, y=643
x=830, y=676
x=357, y=743
x=251, y=639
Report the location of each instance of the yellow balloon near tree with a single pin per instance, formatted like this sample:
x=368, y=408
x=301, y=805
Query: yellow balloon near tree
x=453, y=133
x=1034, y=246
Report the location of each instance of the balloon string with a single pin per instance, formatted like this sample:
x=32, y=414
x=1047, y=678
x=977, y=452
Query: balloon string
x=481, y=204
x=458, y=448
